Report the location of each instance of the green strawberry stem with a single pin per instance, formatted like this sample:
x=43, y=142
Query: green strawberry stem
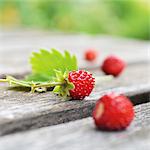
x=40, y=87
x=49, y=84
x=45, y=85
x=3, y=80
x=12, y=80
x=34, y=86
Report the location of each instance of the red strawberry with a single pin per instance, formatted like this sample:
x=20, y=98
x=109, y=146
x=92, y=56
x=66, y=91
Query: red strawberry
x=113, y=65
x=90, y=55
x=113, y=112
x=83, y=82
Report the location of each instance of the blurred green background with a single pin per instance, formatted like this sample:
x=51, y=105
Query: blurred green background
x=128, y=18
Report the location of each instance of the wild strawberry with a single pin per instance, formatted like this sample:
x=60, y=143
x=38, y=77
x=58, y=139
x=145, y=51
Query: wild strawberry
x=90, y=55
x=113, y=65
x=113, y=112
x=83, y=84
x=56, y=72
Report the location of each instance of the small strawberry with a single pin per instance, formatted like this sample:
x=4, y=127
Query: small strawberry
x=113, y=112
x=90, y=55
x=113, y=65
x=83, y=84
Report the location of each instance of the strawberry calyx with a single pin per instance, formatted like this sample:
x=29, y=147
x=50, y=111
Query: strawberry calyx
x=65, y=86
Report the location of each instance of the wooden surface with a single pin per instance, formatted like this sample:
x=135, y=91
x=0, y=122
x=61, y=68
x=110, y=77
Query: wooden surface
x=23, y=111
x=82, y=135
x=16, y=47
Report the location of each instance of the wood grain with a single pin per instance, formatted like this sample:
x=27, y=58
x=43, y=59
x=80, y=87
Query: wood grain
x=83, y=135
x=22, y=110
x=16, y=47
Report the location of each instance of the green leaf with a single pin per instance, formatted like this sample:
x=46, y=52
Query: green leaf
x=37, y=78
x=49, y=69
x=45, y=63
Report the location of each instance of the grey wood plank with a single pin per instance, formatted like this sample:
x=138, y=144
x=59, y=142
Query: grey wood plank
x=22, y=110
x=82, y=135
x=16, y=47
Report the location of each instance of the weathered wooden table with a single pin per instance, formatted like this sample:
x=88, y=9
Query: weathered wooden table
x=39, y=121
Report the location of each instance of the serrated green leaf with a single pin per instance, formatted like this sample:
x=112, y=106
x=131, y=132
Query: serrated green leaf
x=44, y=64
x=37, y=78
x=49, y=69
x=59, y=75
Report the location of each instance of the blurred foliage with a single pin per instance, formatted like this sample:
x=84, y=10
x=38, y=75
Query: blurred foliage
x=128, y=18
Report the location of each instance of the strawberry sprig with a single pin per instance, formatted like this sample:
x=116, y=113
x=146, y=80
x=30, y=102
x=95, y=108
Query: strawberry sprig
x=42, y=86
x=59, y=71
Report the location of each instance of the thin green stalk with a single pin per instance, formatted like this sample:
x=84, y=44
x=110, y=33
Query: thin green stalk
x=44, y=86
x=3, y=80
x=34, y=86
x=50, y=84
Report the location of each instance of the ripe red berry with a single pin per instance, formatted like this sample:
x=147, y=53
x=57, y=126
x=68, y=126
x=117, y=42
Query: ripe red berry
x=113, y=65
x=83, y=82
x=113, y=112
x=90, y=55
